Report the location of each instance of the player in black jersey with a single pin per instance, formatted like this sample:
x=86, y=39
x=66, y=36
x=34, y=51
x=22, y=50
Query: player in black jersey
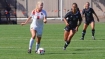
x=89, y=19
x=72, y=20
x=76, y=6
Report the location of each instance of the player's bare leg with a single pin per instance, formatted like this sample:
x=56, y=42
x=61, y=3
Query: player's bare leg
x=93, y=29
x=71, y=34
x=84, y=31
x=33, y=33
x=66, y=33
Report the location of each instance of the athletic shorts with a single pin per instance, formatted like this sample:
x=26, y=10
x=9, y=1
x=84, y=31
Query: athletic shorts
x=68, y=28
x=88, y=22
x=7, y=15
x=39, y=30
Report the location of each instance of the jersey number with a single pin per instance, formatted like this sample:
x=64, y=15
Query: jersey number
x=38, y=17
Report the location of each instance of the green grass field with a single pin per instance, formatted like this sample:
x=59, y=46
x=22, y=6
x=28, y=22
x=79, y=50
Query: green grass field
x=14, y=40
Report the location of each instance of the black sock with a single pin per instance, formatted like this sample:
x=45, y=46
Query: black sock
x=93, y=32
x=83, y=33
x=66, y=44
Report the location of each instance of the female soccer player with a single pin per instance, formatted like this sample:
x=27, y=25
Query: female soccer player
x=88, y=20
x=72, y=20
x=38, y=16
x=77, y=7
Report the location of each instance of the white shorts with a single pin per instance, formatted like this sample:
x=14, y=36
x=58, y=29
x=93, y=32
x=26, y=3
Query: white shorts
x=39, y=30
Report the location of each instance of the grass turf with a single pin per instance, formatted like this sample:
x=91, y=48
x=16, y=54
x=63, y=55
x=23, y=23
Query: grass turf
x=14, y=40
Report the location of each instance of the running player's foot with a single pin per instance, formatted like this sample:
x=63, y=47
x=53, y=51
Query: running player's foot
x=93, y=37
x=29, y=51
x=36, y=52
x=82, y=38
x=64, y=48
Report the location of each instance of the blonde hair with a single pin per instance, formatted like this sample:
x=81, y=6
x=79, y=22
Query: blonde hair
x=39, y=2
x=84, y=6
x=88, y=3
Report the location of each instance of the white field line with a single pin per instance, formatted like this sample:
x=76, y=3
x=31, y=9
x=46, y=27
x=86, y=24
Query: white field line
x=59, y=47
x=63, y=40
x=25, y=38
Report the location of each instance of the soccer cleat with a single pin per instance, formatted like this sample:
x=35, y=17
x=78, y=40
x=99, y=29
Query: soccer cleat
x=64, y=48
x=93, y=37
x=82, y=38
x=29, y=51
x=36, y=52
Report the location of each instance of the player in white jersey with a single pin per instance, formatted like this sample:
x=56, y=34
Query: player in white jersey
x=38, y=16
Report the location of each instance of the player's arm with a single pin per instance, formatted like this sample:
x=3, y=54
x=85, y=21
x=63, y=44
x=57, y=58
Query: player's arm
x=65, y=19
x=45, y=17
x=95, y=15
x=79, y=22
x=83, y=12
x=29, y=18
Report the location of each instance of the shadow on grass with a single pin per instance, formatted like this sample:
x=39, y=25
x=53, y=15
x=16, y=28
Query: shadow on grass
x=66, y=53
x=84, y=49
x=101, y=39
x=91, y=49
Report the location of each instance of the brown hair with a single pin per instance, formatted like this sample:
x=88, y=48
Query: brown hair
x=75, y=4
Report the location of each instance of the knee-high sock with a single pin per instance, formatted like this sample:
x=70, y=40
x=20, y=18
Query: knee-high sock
x=37, y=46
x=93, y=32
x=66, y=44
x=31, y=43
x=83, y=33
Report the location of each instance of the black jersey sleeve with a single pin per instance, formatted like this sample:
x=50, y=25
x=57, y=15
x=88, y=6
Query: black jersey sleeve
x=83, y=11
x=92, y=10
x=80, y=17
x=67, y=15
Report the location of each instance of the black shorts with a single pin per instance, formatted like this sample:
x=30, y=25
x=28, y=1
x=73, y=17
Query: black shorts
x=7, y=15
x=88, y=22
x=68, y=28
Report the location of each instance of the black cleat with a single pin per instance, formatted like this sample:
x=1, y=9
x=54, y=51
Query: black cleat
x=36, y=51
x=93, y=37
x=64, y=48
x=82, y=38
x=29, y=51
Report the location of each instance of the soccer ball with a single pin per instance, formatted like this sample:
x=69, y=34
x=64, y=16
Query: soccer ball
x=41, y=51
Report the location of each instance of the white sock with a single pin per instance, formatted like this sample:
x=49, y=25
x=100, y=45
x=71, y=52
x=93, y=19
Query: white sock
x=37, y=46
x=31, y=43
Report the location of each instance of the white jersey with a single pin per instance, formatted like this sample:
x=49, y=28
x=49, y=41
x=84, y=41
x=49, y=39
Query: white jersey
x=37, y=18
x=37, y=21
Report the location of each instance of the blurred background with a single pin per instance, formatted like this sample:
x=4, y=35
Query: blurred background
x=21, y=9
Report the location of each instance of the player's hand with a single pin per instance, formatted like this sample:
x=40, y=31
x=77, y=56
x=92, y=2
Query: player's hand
x=45, y=21
x=23, y=24
x=67, y=24
x=76, y=29
x=98, y=20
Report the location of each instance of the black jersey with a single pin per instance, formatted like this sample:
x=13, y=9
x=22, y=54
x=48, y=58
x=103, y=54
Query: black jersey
x=73, y=19
x=88, y=14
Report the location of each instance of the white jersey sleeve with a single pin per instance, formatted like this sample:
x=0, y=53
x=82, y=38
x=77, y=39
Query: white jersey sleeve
x=45, y=14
